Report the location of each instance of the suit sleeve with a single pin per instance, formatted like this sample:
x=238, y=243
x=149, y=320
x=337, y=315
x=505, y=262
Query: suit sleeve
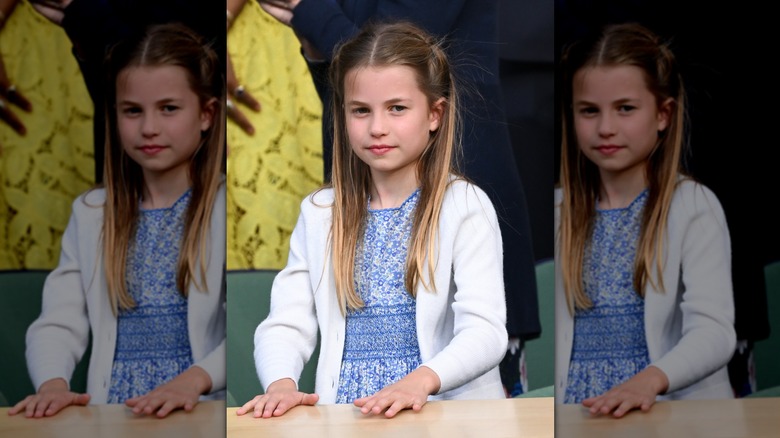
x=325, y=24
x=285, y=340
x=707, y=303
x=56, y=341
x=480, y=336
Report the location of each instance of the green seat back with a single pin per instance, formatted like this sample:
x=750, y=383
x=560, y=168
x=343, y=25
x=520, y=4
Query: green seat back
x=248, y=304
x=20, y=305
x=767, y=352
x=540, y=352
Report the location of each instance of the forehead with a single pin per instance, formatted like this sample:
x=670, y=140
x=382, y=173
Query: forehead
x=609, y=83
x=395, y=81
x=162, y=78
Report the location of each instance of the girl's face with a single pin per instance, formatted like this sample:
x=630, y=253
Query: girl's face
x=617, y=119
x=388, y=119
x=160, y=119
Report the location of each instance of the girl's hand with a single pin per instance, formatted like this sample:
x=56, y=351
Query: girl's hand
x=52, y=397
x=180, y=393
x=637, y=392
x=281, y=396
x=411, y=392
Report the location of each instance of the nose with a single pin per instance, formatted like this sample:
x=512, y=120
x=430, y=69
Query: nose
x=378, y=125
x=150, y=126
x=606, y=125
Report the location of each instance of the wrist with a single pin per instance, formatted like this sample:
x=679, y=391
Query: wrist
x=286, y=384
x=431, y=380
x=56, y=384
x=659, y=381
x=201, y=380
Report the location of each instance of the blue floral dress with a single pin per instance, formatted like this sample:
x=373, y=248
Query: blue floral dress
x=609, y=345
x=153, y=344
x=380, y=343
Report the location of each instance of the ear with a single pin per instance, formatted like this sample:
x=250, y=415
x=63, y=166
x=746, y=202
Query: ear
x=665, y=113
x=207, y=114
x=437, y=112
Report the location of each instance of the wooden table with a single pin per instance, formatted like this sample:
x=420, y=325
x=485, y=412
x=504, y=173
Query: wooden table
x=207, y=420
x=751, y=417
x=527, y=418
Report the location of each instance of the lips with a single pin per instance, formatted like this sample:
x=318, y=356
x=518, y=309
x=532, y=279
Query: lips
x=380, y=149
x=151, y=149
x=608, y=149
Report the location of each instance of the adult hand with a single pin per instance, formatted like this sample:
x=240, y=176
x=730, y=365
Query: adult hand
x=281, y=396
x=411, y=392
x=54, y=10
x=279, y=9
x=638, y=392
x=180, y=393
x=239, y=95
x=10, y=95
x=52, y=397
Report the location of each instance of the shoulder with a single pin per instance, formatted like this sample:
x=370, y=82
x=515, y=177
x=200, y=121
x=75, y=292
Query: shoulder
x=693, y=198
x=318, y=202
x=90, y=202
x=465, y=196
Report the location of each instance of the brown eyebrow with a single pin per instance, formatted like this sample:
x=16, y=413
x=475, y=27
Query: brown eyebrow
x=615, y=102
x=159, y=102
x=392, y=101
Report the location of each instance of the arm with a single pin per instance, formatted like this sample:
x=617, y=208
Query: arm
x=56, y=341
x=286, y=339
x=708, y=336
x=480, y=337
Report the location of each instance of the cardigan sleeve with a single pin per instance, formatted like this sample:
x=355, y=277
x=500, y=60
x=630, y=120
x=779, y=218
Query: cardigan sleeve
x=214, y=363
x=325, y=24
x=480, y=337
x=286, y=339
x=57, y=340
x=707, y=303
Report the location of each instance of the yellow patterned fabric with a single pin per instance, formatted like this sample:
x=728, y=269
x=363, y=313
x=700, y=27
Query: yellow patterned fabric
x=42, y=172
x=271, y=172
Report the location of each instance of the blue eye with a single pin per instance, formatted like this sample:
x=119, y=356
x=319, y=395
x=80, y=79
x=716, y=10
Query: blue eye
x=359, y=110
x=397, y=108
x=588, y=110
x=626, y=108
x=169, y=108
x=131, y=110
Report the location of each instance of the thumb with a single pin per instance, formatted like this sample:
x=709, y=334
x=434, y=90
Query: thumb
x=310, y=399
x=81, y=399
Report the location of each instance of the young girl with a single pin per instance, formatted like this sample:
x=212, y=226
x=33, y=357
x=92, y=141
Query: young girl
x=399, y=263
x=644, y=302
x=142, y=263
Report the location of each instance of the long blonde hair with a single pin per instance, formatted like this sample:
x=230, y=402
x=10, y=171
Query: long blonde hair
x=632, y=45
x=380, y=45
x=161, y=45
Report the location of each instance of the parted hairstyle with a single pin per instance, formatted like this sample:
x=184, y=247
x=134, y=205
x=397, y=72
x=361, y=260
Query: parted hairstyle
x=619, y=45
x=380, y=45
x=162, y=45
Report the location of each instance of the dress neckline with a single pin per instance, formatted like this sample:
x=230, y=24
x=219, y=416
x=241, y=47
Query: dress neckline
x=639, y=198
x=173, y=206
x=411, y=197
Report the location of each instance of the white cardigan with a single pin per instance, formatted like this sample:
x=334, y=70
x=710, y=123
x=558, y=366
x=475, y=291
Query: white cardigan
x=690, y=326
x=75, y=303
x=460, y=327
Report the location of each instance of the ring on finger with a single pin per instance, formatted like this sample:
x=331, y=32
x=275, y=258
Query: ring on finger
x=229, y=104
x=11, y=89
x=2, y=104
x=239, y=91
